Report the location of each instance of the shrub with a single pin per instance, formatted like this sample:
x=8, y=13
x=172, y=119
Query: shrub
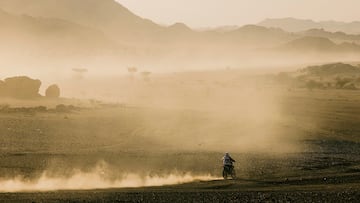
x=341, y=82
x=312, y=84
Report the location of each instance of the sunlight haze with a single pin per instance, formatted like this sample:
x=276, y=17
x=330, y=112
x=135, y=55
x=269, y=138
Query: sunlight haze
x=179, y=101
x=210, y=13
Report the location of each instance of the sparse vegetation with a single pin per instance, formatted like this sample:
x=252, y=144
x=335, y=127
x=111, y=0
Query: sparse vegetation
x=61, y=108
x=146, y=76
x=341, y=82
x=80, y=72
x=312, y=84
x=331, y=70
x=132, y=71
x=328, y=76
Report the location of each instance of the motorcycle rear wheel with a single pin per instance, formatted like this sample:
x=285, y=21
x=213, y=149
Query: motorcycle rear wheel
x=225, y=175
x=233, y=174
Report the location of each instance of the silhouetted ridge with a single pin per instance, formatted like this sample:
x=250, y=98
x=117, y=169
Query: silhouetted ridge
x=298, y=25
x=319, y=43
x=331, y=69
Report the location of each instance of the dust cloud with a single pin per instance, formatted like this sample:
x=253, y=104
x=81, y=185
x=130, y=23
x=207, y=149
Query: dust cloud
x=97, y=179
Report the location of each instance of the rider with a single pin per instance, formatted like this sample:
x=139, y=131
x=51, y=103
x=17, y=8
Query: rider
x=227, y=160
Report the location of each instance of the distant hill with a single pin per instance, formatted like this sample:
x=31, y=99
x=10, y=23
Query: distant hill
x=319, y=44
x=50, y=36
x=258, y=36
x=180, y=27
x=341, y=36
x=122, y=25
x=313, y=43
x=107, y=34
x=256, y=31
x=228, y=28
x=106, y=15
x=331, y=69
x=299, y=25
x=327, y=76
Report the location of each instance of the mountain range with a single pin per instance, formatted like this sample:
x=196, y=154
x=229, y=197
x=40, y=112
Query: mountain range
x=335, y=36
x=95, y=33
x=320, y=44
x=50, y=34
x=299, y=25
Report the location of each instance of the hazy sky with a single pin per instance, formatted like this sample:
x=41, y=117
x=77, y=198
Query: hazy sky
x=204, y=13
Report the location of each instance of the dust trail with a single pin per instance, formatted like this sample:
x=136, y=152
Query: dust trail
x=96, y=180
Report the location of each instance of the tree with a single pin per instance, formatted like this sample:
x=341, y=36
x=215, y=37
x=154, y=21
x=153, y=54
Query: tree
x=283, y=78
x=132, y=71
x=79, y=72
x=146, y=76
x=312, y=84
x=349, y=86
x=341, y=82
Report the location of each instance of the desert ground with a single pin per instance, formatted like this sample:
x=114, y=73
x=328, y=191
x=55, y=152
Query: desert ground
x=290, y=144
x=102, y=102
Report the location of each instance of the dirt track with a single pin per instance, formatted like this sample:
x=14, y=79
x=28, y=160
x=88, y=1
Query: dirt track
x=333, y=189
x=194, y=196
x=326, y=170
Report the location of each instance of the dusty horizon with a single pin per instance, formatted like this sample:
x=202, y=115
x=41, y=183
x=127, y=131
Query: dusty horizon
x=204, y=13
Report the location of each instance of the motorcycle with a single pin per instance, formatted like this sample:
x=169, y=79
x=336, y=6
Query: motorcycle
x=229, y=171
